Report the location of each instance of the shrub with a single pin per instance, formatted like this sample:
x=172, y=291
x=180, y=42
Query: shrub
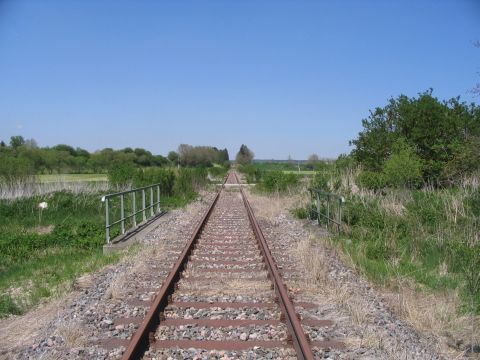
x=465, y=160
x=122, y=175
x=218, y=171
x=164, y=177
x=371, y=180
x=473, y=202
x=189, y=180
x=404, y=167
x=306, y=212
x=252, y=173
x=320, y=181
x=278, y=181
x=438, y=130
x=14, y=170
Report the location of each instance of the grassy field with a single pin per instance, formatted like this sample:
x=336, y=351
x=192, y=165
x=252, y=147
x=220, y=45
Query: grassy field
x=42, y=252
x=49, y=178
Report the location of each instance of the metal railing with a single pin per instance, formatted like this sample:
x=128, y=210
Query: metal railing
x=148, y=211
x=327, y=206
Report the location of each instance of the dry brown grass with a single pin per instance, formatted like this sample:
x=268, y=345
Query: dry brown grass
x=271, y=206
x=311, y=258
x=119, y=287
x=72, y=333
x=434, y=314
x=394, y=202
x=31, y=188
x=42, y=230
x=83, y=282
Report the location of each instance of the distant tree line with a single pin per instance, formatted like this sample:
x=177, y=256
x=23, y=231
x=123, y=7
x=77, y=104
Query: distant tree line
x=417, y=140
x=23, y=157
x=189, y=155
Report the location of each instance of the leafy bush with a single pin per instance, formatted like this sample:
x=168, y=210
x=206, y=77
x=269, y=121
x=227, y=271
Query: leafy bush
x=189, y=180
x=253, y=173
x=473, y=202
x=465, y=160
x=436, y=129
x=278, y=181
x=14, y=170
x=122, y=175
x=304, y=212
x=218, y=171
x=404, y=167
x=320, y=181
x=371, y=180
x=164, y=177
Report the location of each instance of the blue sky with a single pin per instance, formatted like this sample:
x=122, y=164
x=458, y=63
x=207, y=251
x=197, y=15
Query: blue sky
x=284, y=77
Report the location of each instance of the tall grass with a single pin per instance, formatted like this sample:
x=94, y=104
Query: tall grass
x=24, y=188
x=427, y=235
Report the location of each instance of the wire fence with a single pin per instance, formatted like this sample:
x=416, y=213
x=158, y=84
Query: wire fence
x=328, y=208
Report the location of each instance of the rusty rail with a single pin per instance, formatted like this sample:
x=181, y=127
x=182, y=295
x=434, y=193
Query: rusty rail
x=141, y=338
x=300, y=341
x=144, y=336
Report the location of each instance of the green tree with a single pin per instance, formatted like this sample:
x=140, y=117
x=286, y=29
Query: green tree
x=312, y=161
x=173, y=157
x=466, y=160
x=66, y=148
x=433, y=128
x=244, y=155
x=13, y=169
x=16, y=141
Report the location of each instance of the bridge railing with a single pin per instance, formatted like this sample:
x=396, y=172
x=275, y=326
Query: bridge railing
x=128, y=206
x=328, y=208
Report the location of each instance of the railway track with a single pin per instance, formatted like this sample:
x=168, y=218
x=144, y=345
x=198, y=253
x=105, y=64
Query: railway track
x=225, y=295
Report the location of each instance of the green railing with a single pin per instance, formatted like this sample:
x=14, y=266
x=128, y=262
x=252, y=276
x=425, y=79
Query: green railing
x=328, y=208
x=148, y=209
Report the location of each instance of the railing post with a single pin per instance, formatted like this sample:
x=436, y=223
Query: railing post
x=158, y=198
x=318, y=208
x=122, y=213
x=328, y=210
x=134, y=207
x=151, y=201
x=107, y=225
x=143, y=205
x=339, y=212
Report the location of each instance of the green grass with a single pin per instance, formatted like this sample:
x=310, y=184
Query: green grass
x=414, y=234
x=301, y=172
x=47, y=178
x=428, y=237
x=41, y=254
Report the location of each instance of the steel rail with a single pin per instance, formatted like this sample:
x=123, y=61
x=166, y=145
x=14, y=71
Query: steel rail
x=300, y=341
x=142, y=337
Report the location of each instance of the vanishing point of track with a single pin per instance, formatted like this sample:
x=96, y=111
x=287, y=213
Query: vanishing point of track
x=226, y=246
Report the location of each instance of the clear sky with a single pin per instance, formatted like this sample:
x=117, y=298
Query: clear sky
x=284, y=77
